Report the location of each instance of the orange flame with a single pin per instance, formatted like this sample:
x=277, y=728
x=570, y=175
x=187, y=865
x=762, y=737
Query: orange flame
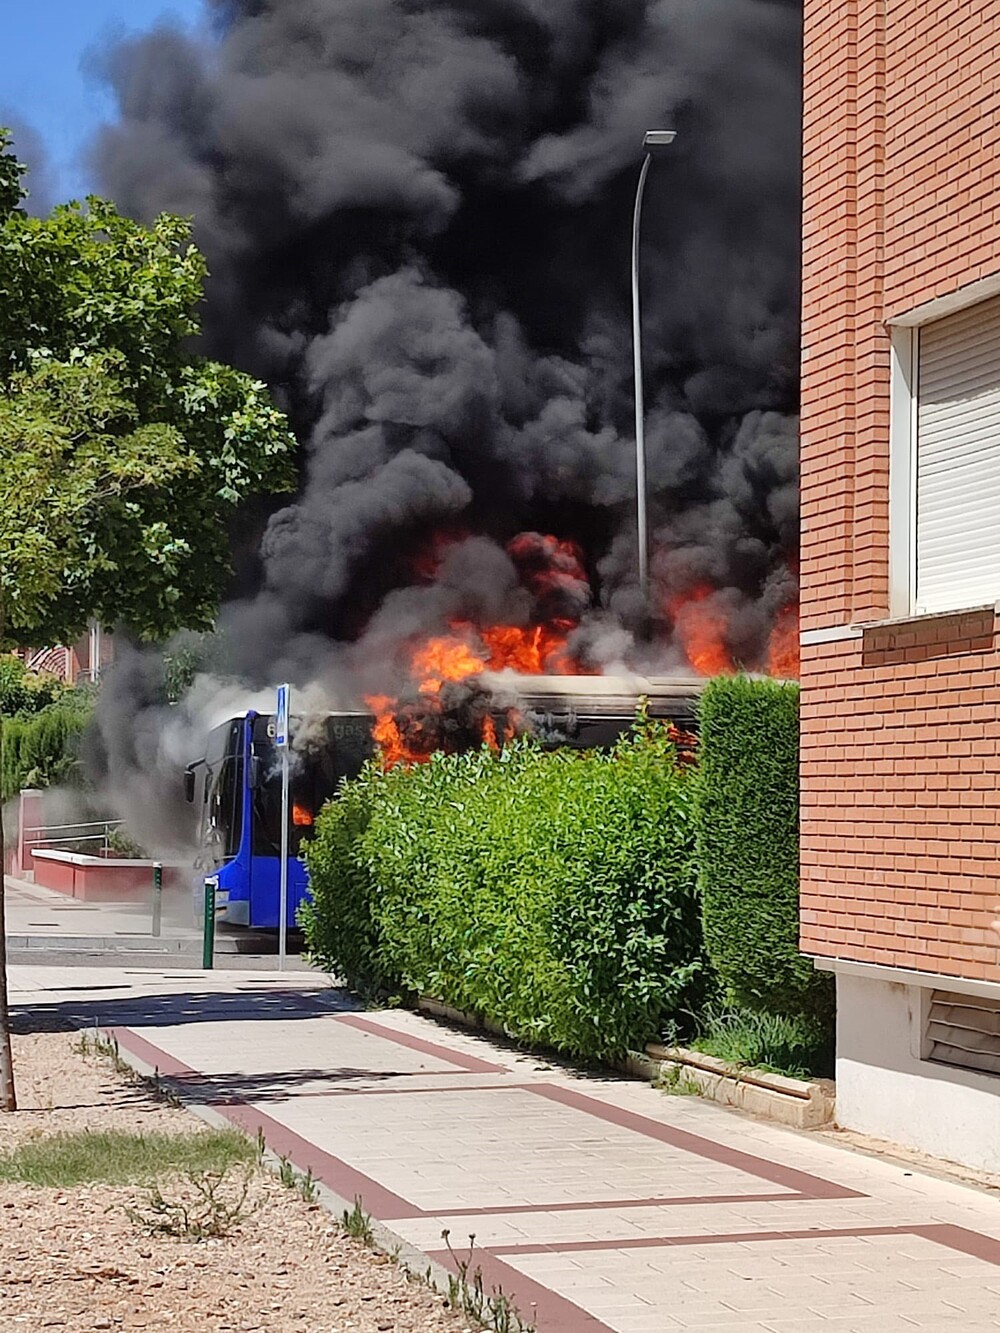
x=386, y=732
x=535, y=651
x=407, y=730
x=701, y=628
x=783, y=650
x=302, y=817
x=443, y=659
x=402, y=735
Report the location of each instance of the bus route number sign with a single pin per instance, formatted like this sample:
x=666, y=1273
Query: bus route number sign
x=281, y=718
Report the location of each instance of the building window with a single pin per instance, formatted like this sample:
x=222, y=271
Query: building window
x=945, y=481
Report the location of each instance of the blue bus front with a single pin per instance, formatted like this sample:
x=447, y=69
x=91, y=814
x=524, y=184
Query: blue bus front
x=237, y=787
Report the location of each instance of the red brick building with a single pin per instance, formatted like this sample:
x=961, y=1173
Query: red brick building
x=84, y=661
x=901, y=560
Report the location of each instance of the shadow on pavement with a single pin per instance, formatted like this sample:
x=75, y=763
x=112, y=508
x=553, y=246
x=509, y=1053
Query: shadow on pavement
x=101, y=1006
x=277, y=1087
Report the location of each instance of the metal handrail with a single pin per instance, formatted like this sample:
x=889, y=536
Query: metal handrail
x=92, y=823
x=41, y=838
x=84, y=837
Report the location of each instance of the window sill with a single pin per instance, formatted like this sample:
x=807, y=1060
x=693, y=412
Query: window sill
x=923, y=617
x=922, y=638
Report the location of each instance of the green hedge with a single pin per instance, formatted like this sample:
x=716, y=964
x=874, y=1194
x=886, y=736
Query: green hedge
x=42, y=749
x=748, y=847
x=554, y=894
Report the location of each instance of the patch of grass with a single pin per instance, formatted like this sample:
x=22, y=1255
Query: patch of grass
x=675, y=1082
x=111, y=1157
x=776, y=1043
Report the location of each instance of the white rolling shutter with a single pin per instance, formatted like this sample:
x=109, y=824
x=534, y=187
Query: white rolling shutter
x=958, y=460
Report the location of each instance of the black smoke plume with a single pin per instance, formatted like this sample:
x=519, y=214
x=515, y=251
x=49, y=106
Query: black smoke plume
x=417, y=215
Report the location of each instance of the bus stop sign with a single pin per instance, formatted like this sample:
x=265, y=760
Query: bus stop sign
x=281, y=718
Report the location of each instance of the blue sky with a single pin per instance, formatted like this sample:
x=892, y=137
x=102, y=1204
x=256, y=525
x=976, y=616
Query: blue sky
x=43, y=84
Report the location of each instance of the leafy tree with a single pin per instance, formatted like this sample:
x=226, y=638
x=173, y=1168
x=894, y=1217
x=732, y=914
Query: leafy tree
x=122, y=453
x=185, y=656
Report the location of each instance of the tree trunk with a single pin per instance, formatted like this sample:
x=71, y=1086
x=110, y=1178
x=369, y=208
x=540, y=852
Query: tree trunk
x=8, y=1097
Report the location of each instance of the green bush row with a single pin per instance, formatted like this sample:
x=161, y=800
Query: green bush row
x=554, y=894
x=748, y=848
x=589, y=902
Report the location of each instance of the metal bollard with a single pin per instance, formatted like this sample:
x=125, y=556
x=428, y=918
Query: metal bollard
x=208, y=942
x=157, y=896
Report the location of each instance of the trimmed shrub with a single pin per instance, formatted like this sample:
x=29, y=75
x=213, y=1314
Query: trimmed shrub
x=337, y=917
x=748, y=847
x=554, y=894
x=42, y=749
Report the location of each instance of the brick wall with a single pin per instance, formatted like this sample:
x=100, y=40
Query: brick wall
x=901, y=727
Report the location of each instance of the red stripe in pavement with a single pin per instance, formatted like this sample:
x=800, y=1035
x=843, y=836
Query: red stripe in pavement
x=596, y=1205
x=960, y=1238
x=471, y=1063
x=811, y=1187
x=162, y=1061
x=329, y=1170
x=537, y=1305
x=951, y=1237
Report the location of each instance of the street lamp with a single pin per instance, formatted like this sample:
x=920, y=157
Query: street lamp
x=653, y=140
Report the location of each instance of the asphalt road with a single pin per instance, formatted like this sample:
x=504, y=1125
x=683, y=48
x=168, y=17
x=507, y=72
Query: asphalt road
x=138, y=958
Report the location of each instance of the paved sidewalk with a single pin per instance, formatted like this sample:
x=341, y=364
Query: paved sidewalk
x=597, y=1203
x=43, y=916
x=44, y=925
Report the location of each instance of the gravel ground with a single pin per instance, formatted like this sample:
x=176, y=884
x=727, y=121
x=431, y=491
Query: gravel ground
x=72, y=1259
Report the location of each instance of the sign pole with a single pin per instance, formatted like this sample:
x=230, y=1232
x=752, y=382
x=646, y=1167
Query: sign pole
x=281, y=740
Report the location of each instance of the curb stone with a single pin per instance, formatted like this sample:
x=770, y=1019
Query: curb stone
x=787, y=1101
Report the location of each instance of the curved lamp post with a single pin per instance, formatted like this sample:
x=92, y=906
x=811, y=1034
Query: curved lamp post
x=654, y=139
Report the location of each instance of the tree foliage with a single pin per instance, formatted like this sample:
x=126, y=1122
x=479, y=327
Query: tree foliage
x=122, y=453
x=43, y=749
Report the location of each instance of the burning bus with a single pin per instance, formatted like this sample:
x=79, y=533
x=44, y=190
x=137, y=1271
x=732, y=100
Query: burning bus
x=235, y=786
x=236, y=790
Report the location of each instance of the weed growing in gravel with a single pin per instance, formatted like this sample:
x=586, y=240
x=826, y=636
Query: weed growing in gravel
x=95, y=1043
x=304, y=1184
x=113, y=1157
x=467, y=1292
x=218, y=1206
x=358, y=1223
